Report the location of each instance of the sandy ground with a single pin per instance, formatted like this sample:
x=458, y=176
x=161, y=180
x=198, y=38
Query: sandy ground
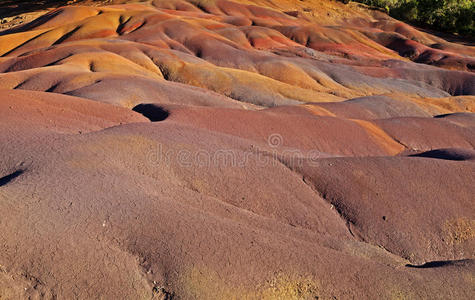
x=209, y=149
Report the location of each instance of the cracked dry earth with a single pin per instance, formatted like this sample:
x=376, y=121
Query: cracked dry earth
x=213, y=149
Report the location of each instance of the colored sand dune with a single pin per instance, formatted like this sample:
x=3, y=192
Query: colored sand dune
x=214, y=149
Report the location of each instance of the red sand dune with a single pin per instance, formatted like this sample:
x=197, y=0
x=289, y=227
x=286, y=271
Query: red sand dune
x=214, y=149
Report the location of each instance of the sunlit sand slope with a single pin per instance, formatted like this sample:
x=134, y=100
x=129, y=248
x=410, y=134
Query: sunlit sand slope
x=267, y=149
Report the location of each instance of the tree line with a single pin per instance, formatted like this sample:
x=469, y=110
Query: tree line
x=453, y=16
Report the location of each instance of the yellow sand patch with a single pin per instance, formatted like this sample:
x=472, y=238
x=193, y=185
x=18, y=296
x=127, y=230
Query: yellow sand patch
x=11, y=41
x=382, y=138
x=447, y=105
x=318, y=110
x=459, y=230
x=283, y=287
x=396, y=293
x=207, y=284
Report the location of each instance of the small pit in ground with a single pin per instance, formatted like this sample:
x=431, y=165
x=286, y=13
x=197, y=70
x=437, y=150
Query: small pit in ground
x=152, y=112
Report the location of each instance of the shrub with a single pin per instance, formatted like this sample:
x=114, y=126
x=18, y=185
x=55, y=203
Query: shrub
x=454, y=16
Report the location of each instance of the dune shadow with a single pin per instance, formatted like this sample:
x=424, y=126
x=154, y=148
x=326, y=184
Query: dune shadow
x=6, y=179
x=442, y=116
x=440, y=263
x=448, y=154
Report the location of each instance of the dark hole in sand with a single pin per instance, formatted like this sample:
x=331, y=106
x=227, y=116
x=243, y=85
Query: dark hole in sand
x=152, y=112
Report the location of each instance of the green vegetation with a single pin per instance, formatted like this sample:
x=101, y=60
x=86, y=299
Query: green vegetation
x=454, y=16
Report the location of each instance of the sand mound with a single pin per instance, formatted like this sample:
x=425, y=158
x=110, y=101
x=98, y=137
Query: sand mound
x=214, y=149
